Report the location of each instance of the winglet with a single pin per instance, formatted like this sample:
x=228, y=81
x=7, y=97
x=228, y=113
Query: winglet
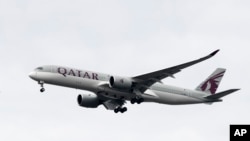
x=213, y=53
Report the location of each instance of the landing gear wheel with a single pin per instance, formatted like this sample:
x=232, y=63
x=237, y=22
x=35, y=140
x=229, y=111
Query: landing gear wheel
x=137, y=100
x=124, y=109
x=116, y=111
x=133, y=100
x=120, y=109
x=42, y=90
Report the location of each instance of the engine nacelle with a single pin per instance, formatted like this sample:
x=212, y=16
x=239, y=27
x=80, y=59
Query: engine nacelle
x=120, y=83
x=88, y=100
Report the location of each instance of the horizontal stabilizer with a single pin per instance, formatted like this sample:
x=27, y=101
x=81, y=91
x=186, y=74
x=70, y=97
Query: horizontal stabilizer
x=221, y=94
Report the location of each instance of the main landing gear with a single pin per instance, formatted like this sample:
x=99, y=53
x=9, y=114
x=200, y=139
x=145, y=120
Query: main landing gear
x=120, y=109
x=42, y=88
x=137, y=100
x=138, y=97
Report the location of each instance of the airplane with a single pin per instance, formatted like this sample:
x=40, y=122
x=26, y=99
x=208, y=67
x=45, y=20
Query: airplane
x=113, y=91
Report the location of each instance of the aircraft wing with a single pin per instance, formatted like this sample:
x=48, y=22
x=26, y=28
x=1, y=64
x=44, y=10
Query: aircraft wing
x=143, y=82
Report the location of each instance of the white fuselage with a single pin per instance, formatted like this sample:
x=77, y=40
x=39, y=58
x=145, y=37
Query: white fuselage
x=93, y=81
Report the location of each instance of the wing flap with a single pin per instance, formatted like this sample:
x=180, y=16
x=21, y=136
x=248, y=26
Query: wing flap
x=113, y=104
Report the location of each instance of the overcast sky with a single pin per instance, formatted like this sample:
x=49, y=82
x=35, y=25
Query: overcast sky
x=124, y=38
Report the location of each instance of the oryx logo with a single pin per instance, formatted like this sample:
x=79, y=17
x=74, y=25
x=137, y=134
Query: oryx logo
x=212, y=83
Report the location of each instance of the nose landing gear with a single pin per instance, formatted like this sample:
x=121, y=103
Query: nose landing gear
x=42, y=88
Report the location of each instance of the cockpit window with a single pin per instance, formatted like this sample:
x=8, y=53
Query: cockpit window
x=39, y=68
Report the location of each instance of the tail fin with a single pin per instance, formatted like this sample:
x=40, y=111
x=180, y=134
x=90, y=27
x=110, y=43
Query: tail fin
x=211, y=84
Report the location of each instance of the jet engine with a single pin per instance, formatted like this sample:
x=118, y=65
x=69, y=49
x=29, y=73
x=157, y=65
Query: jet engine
x=120, y=83
x=88, y=100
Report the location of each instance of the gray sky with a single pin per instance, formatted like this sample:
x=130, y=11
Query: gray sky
x=122, y=38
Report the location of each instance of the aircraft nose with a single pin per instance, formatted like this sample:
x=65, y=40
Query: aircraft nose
x=32, y=75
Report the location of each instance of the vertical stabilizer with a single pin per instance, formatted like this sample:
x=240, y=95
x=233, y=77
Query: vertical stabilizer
x=211, y=84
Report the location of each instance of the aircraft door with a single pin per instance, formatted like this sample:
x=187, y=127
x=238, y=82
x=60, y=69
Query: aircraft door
x=186, y=92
